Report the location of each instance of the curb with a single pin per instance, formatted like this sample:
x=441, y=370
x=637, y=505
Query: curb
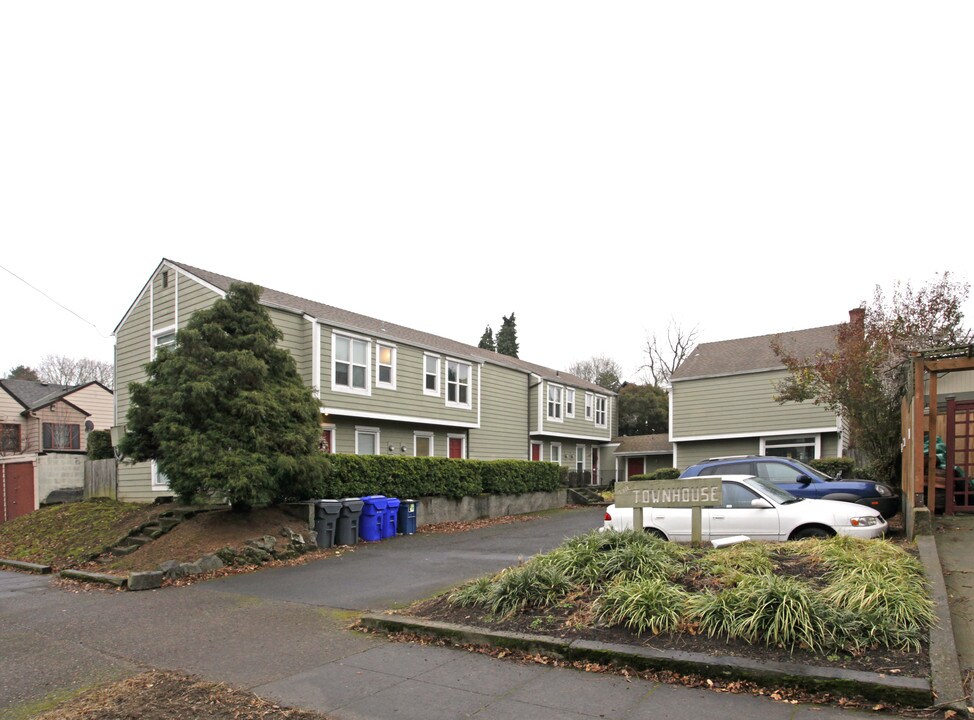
x=26, y=566
x=945, y=674
x=915, y=692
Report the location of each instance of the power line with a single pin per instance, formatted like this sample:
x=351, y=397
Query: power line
x=63, y=307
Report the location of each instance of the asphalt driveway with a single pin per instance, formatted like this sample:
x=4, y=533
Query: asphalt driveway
x=396, y=572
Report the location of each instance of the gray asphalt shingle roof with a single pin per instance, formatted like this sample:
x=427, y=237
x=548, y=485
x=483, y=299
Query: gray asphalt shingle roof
x=658, y=444
x=348, y=320
x=33, y=395
x=754, y=354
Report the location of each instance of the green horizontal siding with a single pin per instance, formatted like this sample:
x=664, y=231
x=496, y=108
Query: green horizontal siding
x=398, y=435
x=577, y=426
x=503, y=433
x=740, y=404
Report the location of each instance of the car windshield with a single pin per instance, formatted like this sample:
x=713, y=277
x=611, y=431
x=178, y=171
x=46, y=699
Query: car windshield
x=780, y=496
x=809, y=470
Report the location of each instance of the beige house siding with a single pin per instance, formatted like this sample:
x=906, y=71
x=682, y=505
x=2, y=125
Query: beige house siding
x=10, y=411
x=740, y=404
x=98, y=402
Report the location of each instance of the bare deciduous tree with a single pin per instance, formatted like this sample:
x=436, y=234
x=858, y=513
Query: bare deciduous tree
x=600, y=370
x=63, y=370
x=664, y=355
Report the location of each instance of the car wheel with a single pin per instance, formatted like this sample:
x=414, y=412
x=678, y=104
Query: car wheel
x=812, y=531
x=655, y=532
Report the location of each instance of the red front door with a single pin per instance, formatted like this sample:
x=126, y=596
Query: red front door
x=536, y=451
x=17, y=480
x=456, y=447
x=635, y=466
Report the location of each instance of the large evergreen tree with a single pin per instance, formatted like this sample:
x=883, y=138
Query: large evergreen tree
x=225, y=412
x=507, y=337
x=643, y=410
x=487, y=340
x=23, y=372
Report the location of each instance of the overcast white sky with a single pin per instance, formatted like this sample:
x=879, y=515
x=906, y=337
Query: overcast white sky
x=598, y=168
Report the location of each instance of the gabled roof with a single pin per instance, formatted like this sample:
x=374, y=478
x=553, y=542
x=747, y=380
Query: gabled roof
x=658, y=444
x=754, y=354
x=347, y=320
x=34, y=395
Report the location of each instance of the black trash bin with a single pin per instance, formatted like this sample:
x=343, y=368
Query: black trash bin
x=407, y=517
x=326, y=518
x=348, y=520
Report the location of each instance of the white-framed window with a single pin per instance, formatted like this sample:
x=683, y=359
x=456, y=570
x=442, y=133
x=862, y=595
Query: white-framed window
x=385, y=366
x=457, y=383
x=350, y=364
x=554, y=402
x=569, y=403
x=159, y=479
x=431, y=375
x=423, y=444
x=579, y=458
x=554, y=453
x=367, y=441
x=804, y=448
x=588, y=405
x=163, y=338
x=600, y=410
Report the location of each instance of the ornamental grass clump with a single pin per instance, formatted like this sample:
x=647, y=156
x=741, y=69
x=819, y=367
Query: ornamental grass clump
x=643, y=605
x=767, y=609
x=530, y=585
x=733, y=563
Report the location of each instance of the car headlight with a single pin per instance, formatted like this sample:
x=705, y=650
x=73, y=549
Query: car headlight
x=883, y=491
x=866, y=521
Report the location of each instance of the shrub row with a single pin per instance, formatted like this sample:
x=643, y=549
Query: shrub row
x=661, y=474
x=408, y=477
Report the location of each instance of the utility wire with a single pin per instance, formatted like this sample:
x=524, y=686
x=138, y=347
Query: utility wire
x=63, y=307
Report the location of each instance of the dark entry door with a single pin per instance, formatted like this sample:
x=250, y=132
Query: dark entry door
x=17, y=485
x=635, y=466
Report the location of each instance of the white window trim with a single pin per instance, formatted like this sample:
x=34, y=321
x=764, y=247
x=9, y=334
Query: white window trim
x=432, y=439
x=463, y=444
x=368, y=365
x=605, y=411
x=426, y=391
x=570, y=414
x=446, y=393
x=156, y=334
x=778, y=440
x=580, y=455
x=560, y=405
x=551, y=452
x=378, y=354
x=157, y=484
x=369, y=431
x=589, y=397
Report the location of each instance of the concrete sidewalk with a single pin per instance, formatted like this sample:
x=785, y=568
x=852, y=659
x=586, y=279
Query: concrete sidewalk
x=954, y=536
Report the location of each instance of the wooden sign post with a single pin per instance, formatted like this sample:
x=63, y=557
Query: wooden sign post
x=694, y=493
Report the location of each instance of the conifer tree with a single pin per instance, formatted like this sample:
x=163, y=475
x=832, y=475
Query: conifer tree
x=487, y=340
x=225, y=412
x=507, y=337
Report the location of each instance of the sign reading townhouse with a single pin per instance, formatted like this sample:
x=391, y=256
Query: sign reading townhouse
x=688, y=492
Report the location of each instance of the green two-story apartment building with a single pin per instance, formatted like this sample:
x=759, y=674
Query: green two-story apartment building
x=383, y=388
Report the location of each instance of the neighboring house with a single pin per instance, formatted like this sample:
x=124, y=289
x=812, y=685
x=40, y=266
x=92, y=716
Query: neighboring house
x=43, y=439
x=642, y=454
x=722, y=401
x=383, y=388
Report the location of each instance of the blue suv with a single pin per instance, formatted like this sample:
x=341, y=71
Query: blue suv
x=802, y=480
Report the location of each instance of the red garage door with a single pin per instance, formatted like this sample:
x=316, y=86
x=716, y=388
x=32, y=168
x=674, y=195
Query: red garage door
x=17, y=484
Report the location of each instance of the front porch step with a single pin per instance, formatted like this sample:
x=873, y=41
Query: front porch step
x=585, y=496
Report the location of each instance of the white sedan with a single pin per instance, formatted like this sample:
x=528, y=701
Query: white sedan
x=758, y=509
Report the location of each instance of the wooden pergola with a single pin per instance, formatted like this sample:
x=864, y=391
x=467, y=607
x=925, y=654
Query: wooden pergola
x=927, y=365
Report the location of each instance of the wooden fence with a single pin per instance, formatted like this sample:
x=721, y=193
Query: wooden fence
x=100, y=479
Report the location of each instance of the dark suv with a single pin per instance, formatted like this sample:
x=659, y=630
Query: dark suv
x=802, y=480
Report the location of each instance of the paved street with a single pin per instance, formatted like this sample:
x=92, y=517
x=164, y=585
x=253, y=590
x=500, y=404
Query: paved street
x=283, y=634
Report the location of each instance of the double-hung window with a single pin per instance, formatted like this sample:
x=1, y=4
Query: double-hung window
x=554, y=402
x=569, y=402
x=431, y=375
x=600, y=410
x=555, y=453
x=385, y=366
x=366, y=441
x=350, y=365
x=588, y=405
x=457, y=383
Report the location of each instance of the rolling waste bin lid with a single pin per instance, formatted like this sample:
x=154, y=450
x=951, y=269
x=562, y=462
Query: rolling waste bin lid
x=378, y=502
x=351, y=506
x=327, y=507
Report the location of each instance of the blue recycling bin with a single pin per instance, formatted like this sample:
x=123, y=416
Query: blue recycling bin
x=407, y=517
x=391, y=519
x=373, y=516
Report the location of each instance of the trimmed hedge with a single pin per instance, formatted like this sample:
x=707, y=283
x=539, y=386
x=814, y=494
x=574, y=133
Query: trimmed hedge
x=831, y=465
x=409, y=477
x=660, y=474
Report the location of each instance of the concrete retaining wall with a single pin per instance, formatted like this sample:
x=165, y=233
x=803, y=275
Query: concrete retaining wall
x=60, y=477
x=432, y=510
